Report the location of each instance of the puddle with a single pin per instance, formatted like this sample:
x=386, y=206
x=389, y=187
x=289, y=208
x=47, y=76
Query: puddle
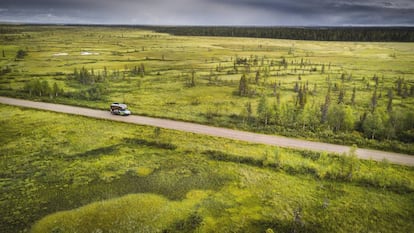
x=60, y=54
x=85, y=53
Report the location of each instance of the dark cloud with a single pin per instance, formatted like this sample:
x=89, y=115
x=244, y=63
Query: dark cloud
x=211, y=12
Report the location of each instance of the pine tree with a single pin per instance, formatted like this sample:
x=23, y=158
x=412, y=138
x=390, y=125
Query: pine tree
x=301, y=98
x=142, y=70
x=296, y=87
x=353, y=96
x=248, y=110
x=374, y=100
x=341, y=96
x=243, y=86
x=193, y=83
x=399, y=86
x=325, y=106
x=257, y=78
x=56, y=89
x=390, y=97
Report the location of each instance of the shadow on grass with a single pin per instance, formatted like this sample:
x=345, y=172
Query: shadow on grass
x=156, y=144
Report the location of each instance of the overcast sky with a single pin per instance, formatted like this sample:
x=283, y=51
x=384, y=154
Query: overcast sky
x=211, y=12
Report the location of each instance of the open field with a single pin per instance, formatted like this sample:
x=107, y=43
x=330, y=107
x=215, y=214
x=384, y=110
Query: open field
x=340, y=92
x=62, y=173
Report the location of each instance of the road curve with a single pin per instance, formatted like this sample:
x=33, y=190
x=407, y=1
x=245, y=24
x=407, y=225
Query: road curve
x=396, y=158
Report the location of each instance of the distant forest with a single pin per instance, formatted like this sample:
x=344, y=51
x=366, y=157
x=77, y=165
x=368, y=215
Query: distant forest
x=379, y=34
x=368, y=34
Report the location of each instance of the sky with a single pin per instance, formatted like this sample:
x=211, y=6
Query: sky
x=212, y=12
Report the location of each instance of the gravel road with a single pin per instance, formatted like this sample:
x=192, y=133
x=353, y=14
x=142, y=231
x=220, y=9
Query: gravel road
x=397, y=158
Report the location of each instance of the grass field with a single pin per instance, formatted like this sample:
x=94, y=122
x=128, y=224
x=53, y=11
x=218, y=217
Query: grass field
x=164, y=87
x=62, y=173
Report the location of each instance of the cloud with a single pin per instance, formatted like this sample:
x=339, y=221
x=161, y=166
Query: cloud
x=212, y=12
x=334, y=12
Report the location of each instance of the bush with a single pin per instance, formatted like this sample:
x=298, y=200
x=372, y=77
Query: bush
x=21, y=54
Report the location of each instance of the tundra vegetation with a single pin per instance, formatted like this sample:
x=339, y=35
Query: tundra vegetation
x=358, y=93
x=63, y=173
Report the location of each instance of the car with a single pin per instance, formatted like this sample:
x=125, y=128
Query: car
x=119, y=109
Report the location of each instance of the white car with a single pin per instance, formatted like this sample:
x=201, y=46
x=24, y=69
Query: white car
x=120, y=109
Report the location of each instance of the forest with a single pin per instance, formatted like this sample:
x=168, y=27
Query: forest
x=396, y=34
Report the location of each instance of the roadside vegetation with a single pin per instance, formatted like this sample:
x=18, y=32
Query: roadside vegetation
x=340, y=92
x=63, y=173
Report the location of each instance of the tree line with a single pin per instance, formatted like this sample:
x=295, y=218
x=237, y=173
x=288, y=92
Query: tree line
x=386, y=34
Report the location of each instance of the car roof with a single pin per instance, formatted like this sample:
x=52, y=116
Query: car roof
x=118, y=105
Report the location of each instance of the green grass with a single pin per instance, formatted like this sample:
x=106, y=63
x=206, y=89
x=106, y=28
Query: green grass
x=63, y=173
x=169, y=60
x=131, y=213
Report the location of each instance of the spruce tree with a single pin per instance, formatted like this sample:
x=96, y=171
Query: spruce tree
x=374, y=100
x=353, y=96
x=341, y=96
x=243, y=86
x=325, y=106
x=390, y=97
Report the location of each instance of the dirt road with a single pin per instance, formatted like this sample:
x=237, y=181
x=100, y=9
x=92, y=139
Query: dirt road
x=215, y=131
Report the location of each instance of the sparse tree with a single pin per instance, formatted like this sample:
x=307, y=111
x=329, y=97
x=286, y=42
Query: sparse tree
x=56, y=89
x=341, y=96
x=390, y=95
x=353, y=96
x=296, y=87
x=399, y=85
x=142, y=70
x=302, y=97
x=243, y=86
x=263, y=110
x=374, y=100
x=193, y=83
x=257, y=78
x=247, y=112
x=341, y=117
x=46, y=90
x=325, y=106
x=373, y=124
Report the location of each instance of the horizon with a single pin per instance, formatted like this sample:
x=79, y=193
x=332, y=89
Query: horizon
x=199, y=25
